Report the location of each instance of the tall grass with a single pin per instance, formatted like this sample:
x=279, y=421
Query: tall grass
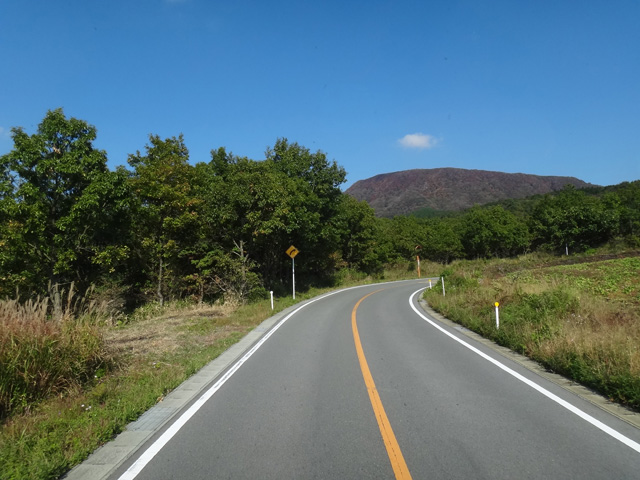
x=548, y=314
x=41, y=356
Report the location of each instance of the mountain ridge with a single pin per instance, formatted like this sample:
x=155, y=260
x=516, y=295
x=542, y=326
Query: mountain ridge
x=450, y=189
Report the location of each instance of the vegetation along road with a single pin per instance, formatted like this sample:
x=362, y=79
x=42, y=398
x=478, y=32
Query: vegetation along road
x=361, y=383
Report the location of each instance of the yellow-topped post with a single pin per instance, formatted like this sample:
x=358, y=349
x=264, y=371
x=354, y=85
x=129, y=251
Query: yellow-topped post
x=292, y=252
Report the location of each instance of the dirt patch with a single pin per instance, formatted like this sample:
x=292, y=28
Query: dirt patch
x=171, y=331
x=590, y=258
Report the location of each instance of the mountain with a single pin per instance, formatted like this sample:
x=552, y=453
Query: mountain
x=401, y=193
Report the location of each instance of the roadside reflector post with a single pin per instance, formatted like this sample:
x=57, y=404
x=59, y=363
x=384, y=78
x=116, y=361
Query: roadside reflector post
x=497, y=315
x=271, y=292
x=443, y=293
x=430, y=286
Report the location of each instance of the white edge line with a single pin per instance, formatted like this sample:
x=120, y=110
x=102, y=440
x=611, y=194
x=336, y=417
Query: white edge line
x=585, y=416
x=142, y=461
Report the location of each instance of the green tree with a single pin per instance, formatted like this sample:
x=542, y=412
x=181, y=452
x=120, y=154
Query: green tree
x=251, y=212
x=261, y=208
x=628, y=201
x=314, y=183
x=7, y=247
x=167, y=212
x=443, y=243
x=573, y=219
x=62, y=208
x=406, y=236
x=493, y=232
x=359, y=233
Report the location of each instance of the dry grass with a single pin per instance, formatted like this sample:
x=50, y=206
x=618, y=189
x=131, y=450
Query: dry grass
x=40, y=356
x=29, y=315
x=174, y=329
x=603, y=330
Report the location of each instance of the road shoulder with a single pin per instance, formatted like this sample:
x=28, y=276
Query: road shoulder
x=619, y=411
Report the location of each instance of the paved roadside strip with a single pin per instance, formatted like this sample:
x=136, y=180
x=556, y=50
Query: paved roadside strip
x=106, y=459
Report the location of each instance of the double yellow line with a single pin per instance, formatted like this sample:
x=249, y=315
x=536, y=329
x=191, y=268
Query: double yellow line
x=393, y=449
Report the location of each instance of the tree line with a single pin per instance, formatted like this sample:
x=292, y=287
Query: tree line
x=165, y=228
x=569, y=221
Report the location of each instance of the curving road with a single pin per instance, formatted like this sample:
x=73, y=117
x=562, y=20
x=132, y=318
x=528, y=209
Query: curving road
x=362, y=384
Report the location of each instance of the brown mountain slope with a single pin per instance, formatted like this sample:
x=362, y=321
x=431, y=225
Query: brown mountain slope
x=400, y=193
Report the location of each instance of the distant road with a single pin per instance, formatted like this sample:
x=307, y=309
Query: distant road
x=358, y=385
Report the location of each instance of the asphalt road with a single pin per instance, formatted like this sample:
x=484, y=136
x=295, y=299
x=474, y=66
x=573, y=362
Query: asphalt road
x=301, y=405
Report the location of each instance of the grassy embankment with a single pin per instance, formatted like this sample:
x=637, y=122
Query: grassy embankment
x=68, y=386
x=577, y=316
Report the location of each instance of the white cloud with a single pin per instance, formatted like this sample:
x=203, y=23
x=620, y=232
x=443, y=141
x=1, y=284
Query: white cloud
x=418, y=140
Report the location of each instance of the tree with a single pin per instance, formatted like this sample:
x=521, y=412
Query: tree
x=62, y=208
x=493, y=232
x=292, y=197
x=315, y=183
x=403, y=235
x=359, y=236
x=250, y=203
x=323, y=177
x=443, y=243
x=573, y=219
x=627, y=196
x=167, y=210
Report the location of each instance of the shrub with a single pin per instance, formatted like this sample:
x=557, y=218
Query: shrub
x=40, y=356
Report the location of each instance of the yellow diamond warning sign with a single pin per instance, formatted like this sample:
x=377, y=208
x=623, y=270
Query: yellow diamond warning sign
x=292, y=251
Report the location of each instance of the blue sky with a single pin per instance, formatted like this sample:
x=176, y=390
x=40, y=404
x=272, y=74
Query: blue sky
x=542, y=87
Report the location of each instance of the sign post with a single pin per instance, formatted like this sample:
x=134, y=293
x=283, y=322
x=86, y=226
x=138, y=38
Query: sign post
x=292, y=252
x=497, y=304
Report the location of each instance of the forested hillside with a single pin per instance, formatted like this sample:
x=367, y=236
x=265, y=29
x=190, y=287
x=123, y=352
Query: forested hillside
x=450, y=189
x=565, y=222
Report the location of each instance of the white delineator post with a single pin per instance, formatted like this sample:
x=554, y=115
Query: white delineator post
x=442, y=280
x=271, y=292
x=497, y=316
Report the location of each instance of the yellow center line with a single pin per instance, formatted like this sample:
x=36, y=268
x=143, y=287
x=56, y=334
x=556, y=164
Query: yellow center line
x=393, y=449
